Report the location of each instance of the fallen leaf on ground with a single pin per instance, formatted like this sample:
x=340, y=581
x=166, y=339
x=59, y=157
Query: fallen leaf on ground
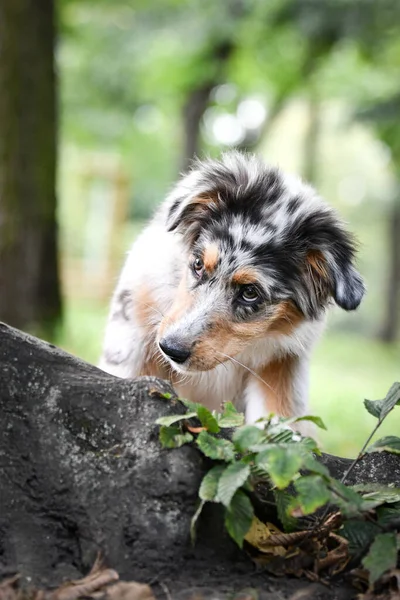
x=259, y=536
x=128, y=590
x=100, y=583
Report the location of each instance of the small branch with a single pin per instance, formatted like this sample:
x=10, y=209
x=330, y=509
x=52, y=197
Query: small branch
x=351, y=467
x=362, y=451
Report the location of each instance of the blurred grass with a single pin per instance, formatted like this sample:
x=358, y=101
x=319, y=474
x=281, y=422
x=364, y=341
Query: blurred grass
x=346, y=368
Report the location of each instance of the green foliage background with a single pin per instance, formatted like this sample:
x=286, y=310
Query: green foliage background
x=127, y=68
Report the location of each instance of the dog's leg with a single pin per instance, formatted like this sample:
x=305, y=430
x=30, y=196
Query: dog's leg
x=129, y=343
x=123, y=343
x=282, y=391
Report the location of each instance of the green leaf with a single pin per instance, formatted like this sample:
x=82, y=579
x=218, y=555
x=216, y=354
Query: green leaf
x=381, y=408
x=230, y=416
x=191, y=406
x=281, y=436
x=374, y=407
x=350, y=503
x=172, y=437
x=165, y=395
x=231, y=480
x=392, y=399
x=193, y=522
x=284, y=501
x=313, y=465
x=377, y=494
x=209, y=485
x=215, y=448
x=316, y=420
x=382, y=555
x=310, y=445
x=171, y=419
x=359, y=534
x=246, y=437
x=312, y=493
x=282, y=463
x=389, y=515
x=389, y=443
x=238, y=517
x=207, y=419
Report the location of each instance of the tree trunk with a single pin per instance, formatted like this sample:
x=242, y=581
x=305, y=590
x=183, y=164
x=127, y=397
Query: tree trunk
x=193, y=111
x=391, y=325
x=257, y=137
x=310, y=165
x=29, y=278
x=197, y=100
x=82, y=471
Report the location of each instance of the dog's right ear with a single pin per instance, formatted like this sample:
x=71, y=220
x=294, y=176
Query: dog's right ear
x=189, y=214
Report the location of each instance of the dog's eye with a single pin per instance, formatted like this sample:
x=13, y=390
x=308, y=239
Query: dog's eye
x=249, y=294
x=198, y=267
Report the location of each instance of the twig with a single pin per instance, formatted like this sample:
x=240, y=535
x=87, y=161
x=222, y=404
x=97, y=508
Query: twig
x=165, y=590
x=362, y=451
x=356, y=460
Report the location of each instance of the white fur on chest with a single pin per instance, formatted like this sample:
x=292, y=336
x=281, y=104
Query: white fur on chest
x=225, y=383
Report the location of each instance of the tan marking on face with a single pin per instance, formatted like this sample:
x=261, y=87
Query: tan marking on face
x=210, y=257
x=285, y=319
x=277, y=389
x=230, y=338
x=245, y=276
x=223, y=338
x=182, y=302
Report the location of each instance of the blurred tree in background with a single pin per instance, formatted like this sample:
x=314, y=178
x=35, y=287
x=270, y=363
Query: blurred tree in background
x=29, y=280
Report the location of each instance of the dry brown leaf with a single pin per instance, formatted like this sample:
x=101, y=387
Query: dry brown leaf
x=247, y=594
x=7, y=588
x=301, y=553
x=259, y=535
x=386, y=588
x=338, y=557
x=333, y=521
x=296, y=564
x=97, y=579
x=195, y=429
x=288, y=539
x=131, y=590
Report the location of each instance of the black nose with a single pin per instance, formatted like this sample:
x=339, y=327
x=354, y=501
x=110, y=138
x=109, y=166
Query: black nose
x=174, y=350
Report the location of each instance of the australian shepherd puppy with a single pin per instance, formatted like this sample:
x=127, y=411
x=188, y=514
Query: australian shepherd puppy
x=225, y=291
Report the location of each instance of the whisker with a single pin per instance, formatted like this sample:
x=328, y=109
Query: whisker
x=184, y=378
x=221, y=362
x=152, y=308
x=247, y=368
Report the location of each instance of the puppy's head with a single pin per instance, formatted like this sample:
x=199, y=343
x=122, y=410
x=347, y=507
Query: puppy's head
x=264, y=255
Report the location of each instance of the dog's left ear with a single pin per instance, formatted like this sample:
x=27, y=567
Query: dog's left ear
x=332, y=272
x=187, y=215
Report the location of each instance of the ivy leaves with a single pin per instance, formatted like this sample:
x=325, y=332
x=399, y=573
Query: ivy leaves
x=381, y=408
x=273, y=453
